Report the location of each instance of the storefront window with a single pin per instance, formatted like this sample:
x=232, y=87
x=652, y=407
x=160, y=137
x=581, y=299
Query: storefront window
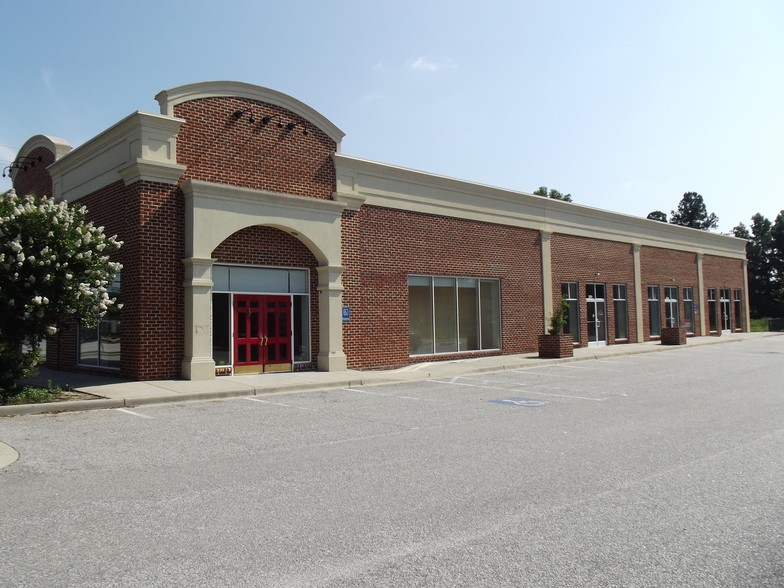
x=447, y=314
x=654, y=311
x=100, y=346
x=737, y=311
x=671, y=306
x=620, y=306
x=688, y=309
x=572, y=326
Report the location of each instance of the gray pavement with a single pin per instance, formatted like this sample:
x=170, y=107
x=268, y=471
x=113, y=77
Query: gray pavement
x=651, y=469
x=114, y=392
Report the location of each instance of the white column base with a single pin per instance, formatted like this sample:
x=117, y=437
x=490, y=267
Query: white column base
x=198, y=368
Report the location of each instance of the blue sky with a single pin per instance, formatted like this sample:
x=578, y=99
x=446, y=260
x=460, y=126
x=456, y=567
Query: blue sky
x=624, y=104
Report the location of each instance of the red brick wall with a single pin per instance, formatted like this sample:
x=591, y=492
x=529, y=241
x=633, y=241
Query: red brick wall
x=148, y=218
x=269, y=246
x=666, y=267
x=720, y=272
x=36, y=179
x=381, y=247
x=580, y=259
x=218, y=148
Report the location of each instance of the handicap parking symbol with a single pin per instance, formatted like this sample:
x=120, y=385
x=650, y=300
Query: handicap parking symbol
x=529, y=402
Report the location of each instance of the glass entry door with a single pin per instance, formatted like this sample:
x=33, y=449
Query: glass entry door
x=595, y=311
x=262, y=334
x=726, y=317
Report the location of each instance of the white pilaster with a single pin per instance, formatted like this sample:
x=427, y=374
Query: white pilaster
x=331, y=357
x=547, y=277
x=638, y=300
x=197, y=363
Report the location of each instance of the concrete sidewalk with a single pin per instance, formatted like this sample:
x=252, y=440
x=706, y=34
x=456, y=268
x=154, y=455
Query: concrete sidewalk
x=114, y=393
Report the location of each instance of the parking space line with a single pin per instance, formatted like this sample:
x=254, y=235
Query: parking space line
x=585, y=367
x=134, y=413
x=276, y=403
x=380, y=394
x=525, y=391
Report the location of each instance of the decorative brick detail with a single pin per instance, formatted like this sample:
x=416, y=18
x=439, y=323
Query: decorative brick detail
x=219, y=148
x=555, y=346
x=673, y=336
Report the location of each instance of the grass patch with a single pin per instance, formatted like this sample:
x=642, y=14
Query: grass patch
x=31, y=394
x=759, y=325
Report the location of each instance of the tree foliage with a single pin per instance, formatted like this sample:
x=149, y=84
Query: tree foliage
x=693, y=213
x=552, y=193
x=54, y=268
x=764, y=251
x=657, y=215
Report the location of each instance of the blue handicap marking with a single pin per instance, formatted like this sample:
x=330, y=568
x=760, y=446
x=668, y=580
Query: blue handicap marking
x=346, y=314
x=530, y=402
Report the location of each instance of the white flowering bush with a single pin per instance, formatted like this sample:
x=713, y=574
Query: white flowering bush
x=54, y=268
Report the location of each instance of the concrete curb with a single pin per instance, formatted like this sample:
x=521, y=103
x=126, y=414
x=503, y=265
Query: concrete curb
x=442, y=370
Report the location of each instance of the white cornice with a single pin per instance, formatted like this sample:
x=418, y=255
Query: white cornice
x=396, y=187
x=141, y=139
x=168, y=99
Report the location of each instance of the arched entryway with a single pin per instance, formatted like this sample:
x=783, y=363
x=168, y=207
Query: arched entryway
x=214, y=213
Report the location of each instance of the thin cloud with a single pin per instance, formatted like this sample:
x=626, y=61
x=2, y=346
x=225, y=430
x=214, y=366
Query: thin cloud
x=429, y=64
x=370, y=97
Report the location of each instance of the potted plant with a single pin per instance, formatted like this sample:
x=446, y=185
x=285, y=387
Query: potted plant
x=555, y=343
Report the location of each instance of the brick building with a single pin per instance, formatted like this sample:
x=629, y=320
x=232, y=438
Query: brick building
x=253, y=244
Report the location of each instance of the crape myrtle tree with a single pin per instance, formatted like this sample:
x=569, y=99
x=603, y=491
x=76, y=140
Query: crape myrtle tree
x=54, y=268
x=552, y=193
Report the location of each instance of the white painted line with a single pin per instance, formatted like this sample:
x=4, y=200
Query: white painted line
x=276, y=403
x=526, y=391
x=379, y=393
x=134, y=413
x=584, y=367
x=537, y=373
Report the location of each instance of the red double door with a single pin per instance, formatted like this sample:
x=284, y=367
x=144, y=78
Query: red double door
x=262, y=334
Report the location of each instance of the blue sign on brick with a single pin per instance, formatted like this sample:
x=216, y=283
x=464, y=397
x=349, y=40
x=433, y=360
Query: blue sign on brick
x=530, y=402
x=346, y=314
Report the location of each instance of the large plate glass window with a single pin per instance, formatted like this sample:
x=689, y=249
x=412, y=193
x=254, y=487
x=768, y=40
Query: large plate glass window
x=101, y=345
x=449, y=314
x=654, y=311
x=620, y=307
x=737, y=308
x=572, y=326
x=671, y=315
x=713, y=321
x=688, y=309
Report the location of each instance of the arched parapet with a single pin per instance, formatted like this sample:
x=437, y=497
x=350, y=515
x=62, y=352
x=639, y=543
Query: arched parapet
x=56, y=145
x=168, y=99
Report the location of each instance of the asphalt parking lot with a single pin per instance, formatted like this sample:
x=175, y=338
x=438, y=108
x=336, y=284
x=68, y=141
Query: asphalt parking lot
x=659, y=469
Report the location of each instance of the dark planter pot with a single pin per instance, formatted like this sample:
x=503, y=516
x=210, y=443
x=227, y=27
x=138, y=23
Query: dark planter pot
x=673, y=336
x=555, y=346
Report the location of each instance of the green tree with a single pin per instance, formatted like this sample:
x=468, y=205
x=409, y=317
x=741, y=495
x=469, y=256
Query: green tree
x=760, y=255
x=657, y=215
x=555, y=194
x=54, y=268
x=692, y=213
